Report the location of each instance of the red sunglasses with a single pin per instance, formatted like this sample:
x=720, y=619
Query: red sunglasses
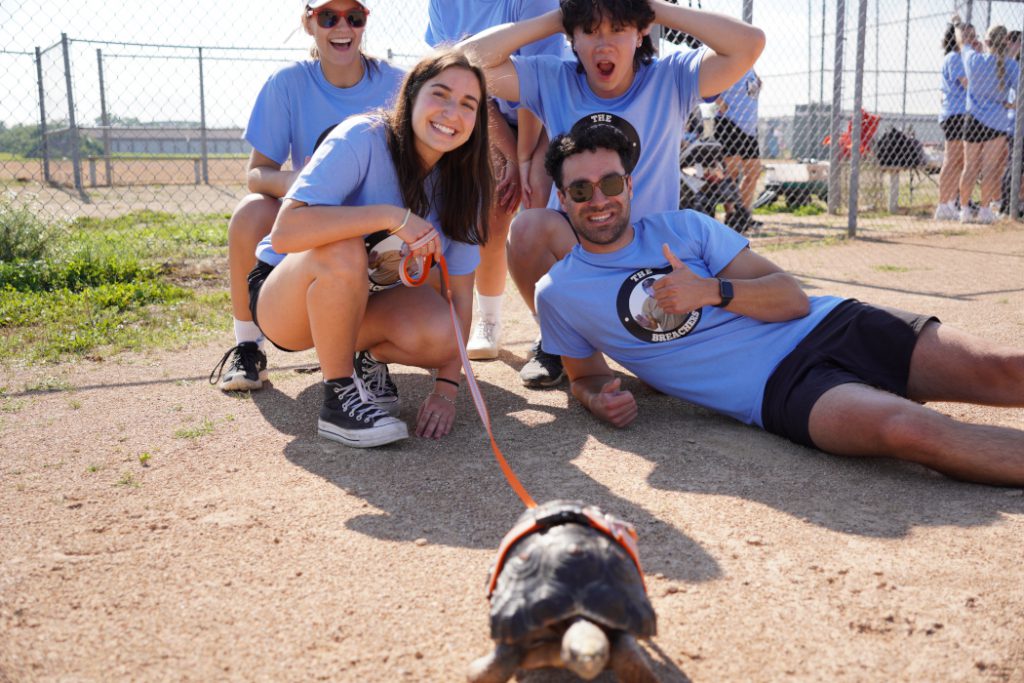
x=329, y=18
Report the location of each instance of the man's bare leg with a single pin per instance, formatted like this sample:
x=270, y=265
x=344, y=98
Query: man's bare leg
x=947, y=365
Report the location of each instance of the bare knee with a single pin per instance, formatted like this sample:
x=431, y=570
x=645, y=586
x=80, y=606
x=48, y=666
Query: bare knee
x=902, y=433
x=343, y=261
x=251, y=221
x=540, y=230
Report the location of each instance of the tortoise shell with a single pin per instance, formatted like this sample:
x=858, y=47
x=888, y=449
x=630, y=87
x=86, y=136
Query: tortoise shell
x=564, y=569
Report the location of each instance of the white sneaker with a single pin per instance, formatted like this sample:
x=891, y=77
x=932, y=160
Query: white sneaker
x=946, y=212
x=986, y=215
x=484, y=340
x=966, y=215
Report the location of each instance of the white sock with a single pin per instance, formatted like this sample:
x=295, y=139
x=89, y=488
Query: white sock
x=489, y=307
x=247, y=331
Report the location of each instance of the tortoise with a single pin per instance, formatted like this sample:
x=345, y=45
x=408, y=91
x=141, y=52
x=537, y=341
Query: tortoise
x=566, y=591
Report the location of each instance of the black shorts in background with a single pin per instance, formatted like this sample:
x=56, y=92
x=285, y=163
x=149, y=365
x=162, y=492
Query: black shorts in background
x=954, y=127
x=854, y=344
x=976, y=131
x=735, y=143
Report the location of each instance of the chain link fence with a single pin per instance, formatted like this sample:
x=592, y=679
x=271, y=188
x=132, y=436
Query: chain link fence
x=128, y=107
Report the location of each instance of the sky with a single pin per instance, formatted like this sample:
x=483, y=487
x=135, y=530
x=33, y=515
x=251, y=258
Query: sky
x=244, y=43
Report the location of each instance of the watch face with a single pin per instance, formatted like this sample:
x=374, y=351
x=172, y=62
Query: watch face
x=725, y=291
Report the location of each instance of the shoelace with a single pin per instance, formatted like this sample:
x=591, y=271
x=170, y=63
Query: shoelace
x=487, y=330
x=218, y=369
x=358, y=399
x=375, y=376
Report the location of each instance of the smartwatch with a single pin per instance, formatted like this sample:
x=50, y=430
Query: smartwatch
x=724, y=291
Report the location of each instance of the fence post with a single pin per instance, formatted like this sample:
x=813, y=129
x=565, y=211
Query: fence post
x=906, y=64
x=969, y=14
x=858, y=100
x=1018, y=149
x=42, y=117
x=76, y=161
x=821, y=74
x=202, y=122
x=748, y=11
x=834, y=175
x=105, y=122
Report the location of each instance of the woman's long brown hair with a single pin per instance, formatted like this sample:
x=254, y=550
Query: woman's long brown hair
x=465, y=184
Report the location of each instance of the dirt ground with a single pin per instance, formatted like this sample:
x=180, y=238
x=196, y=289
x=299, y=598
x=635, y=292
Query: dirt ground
x=245, y=548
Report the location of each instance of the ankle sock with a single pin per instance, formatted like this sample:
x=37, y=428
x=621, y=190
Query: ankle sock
x=489, y=307
x=247, y=331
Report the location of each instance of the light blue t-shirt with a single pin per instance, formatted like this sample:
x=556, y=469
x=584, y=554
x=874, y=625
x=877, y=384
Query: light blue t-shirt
x=954, y=95
x=986, y=96
x=598, y=302
x=297, y=104
x=453, y=20
x=353, y=167
x=741, y=102
x=652, y=114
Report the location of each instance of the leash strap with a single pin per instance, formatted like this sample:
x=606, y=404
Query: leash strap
x=413, y=278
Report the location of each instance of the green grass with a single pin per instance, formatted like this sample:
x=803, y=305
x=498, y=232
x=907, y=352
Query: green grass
x=886, y=268
x=93, y=286
x=202, y=429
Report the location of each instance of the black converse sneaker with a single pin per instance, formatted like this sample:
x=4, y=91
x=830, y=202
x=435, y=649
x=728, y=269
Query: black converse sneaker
x=246, y=371
x=378, y=383
x=348, y=416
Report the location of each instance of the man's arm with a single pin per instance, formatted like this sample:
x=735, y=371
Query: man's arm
x=598, y=389
x=761, y=290
x=492, y=48
x=734, y=45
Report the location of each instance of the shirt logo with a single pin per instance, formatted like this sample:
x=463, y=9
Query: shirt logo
x=640, y=313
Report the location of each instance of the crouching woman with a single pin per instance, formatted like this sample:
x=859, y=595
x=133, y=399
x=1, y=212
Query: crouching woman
x=411, y=180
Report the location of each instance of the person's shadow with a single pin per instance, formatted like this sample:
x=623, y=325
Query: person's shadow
x=452, y=491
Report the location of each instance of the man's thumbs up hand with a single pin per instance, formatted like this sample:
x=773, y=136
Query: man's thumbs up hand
x=682, y=290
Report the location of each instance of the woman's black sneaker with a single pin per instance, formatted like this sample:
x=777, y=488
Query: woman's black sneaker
x=349, y=416
x=243, y=368
x=377, y=382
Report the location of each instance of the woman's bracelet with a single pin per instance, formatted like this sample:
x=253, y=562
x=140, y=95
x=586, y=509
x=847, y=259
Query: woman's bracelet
x=405, y=221
x=442, y=397
x=447, y=381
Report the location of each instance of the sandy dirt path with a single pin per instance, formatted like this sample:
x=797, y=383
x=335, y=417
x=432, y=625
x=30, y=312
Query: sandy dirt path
x=248, y=549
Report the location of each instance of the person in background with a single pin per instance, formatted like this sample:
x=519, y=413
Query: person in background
x=952, y=117
x=416, y=180
x=991, y=76
x=297, y=103
x=615, y=78
x=518, y=145
x=736, y=130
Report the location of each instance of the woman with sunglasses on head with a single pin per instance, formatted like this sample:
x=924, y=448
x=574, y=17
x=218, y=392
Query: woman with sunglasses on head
x=382, y=191
x=295, y=106
x=517, y=153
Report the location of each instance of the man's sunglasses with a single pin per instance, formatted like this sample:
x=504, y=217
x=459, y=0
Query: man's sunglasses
x=329, y=18
x=611, y=185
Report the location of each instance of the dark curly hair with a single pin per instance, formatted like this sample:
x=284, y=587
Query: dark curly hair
x=589, y=139
x=588, y=15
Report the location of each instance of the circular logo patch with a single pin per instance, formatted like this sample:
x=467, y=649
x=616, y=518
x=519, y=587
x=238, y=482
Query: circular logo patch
x=640, y=313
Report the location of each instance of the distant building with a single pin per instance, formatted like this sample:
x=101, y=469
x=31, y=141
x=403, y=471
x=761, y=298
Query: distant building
x=164, y=140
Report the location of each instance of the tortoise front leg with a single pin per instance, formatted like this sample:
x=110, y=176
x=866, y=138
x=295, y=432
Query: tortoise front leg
x=628, y=661
x=496, y=667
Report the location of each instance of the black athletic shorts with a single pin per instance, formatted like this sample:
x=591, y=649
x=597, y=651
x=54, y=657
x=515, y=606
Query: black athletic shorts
x=257, y=276
x=976, y=131
x=954, y=126
x=735, y=143
x=854, y=344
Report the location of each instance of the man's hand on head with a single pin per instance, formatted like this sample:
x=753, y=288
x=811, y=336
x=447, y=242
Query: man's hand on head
x=682, y=290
